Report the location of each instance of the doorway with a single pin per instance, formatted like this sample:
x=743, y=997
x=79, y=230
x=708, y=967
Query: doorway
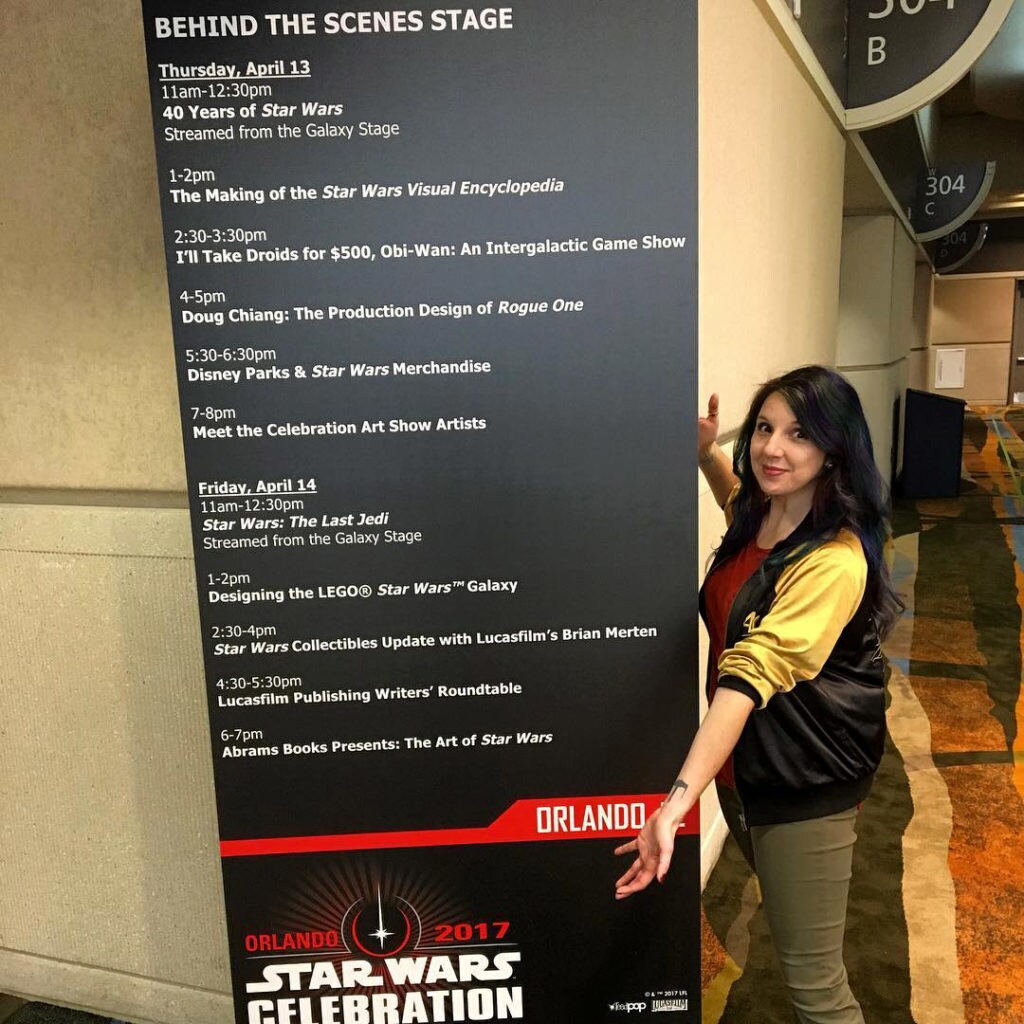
x=1016, y=394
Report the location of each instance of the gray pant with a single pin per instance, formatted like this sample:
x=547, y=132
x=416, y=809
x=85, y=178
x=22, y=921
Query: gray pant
x=804, y=871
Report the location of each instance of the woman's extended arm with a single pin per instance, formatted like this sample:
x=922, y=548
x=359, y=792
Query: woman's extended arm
x=713, y=462
x=712, y=745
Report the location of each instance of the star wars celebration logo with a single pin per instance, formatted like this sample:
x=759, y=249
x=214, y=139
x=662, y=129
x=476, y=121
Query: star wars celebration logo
x=384, y=964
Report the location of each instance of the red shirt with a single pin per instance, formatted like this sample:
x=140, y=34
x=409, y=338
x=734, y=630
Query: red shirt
x=719, y=593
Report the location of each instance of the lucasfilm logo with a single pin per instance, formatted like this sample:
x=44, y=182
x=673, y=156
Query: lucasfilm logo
x=669, y=1005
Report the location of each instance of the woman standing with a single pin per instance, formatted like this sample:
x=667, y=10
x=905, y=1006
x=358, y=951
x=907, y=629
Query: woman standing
x=796, y=601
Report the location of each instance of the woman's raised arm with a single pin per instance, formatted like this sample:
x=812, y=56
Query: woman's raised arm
x=713, y=462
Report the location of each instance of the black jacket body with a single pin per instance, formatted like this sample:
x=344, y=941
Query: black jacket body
x=813, y=748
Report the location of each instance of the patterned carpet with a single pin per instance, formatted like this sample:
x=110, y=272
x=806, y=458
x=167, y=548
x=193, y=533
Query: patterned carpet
x=935, y=932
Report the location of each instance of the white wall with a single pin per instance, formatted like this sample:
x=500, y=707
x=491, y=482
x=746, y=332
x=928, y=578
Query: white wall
x=877, y=326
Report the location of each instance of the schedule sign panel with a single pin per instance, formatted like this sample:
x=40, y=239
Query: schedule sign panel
x=432, y=276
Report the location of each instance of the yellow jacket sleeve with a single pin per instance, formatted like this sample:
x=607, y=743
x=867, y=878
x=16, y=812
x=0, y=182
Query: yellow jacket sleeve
x=815, y=598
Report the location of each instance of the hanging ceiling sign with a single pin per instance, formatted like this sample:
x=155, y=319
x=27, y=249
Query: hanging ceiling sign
x=948, y=197
x=823, y=24
x=902, y=54
x=953, y=250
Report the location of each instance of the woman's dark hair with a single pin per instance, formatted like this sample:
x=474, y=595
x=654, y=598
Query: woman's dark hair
x=850, y=492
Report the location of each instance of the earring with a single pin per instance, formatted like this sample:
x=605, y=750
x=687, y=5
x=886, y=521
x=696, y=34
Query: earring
x=829, y=463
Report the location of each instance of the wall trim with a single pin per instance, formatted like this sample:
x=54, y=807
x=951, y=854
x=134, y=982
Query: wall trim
x=108, y=992
x=990, y=275
x=857, y=367
x=100, y=499
x=973, y=344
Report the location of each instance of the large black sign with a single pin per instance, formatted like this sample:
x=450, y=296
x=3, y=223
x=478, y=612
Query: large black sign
x=433, y=286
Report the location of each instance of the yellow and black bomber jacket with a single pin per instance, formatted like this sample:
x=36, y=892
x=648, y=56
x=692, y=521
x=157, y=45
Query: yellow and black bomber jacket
x=800, y=642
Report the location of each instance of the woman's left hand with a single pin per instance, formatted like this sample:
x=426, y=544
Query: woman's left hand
x=653, y=847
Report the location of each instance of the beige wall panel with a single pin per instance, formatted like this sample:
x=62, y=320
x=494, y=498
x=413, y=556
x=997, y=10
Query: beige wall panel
x=771, y=180
x=922, y=307
x=87, y=392
x=108, y=854
x=865, y=292
x=904, y=270
x=968, y=312
x=917, y=370
x=880, y=297
x=878, y=388
x=986, y=374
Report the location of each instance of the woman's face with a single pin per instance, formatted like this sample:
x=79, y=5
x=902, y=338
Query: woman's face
x=785, y=462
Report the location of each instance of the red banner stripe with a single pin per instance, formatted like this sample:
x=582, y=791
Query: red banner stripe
x=526, y=821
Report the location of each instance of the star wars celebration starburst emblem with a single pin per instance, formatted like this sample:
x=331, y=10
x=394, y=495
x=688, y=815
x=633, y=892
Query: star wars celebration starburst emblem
x=379, y=926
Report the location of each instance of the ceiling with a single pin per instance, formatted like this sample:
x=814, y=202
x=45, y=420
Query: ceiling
x=980, y=118
x=968, y=133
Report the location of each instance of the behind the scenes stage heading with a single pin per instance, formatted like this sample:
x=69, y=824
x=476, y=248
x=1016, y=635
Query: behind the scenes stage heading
x=309, y=23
